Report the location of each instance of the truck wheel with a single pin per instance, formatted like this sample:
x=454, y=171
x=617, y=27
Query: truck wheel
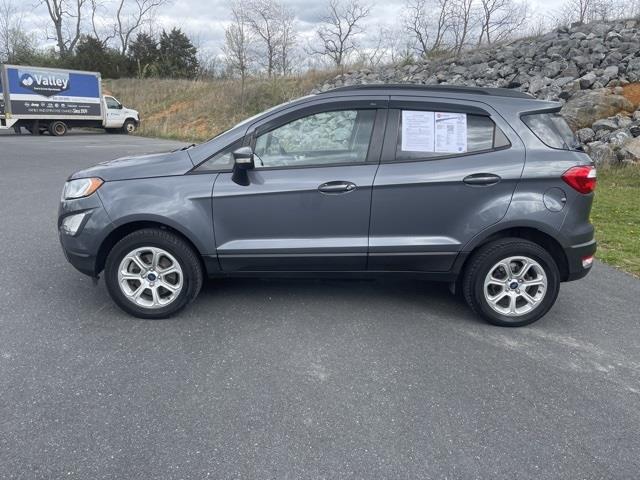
x=153, y=273
x=511, y=282
x=58, y=128
x=129, y=127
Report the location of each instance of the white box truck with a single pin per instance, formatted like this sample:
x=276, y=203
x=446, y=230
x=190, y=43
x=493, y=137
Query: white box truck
x=55, y=100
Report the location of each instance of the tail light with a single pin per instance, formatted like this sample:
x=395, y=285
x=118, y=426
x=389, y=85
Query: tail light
x=582, y=178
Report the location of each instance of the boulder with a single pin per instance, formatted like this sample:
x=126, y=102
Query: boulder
x=553, y=69
x=608, y=124
x=562, y=81
x=601, y=153
x=586, y=135
x=619, y=137
x=585, y=107
x=537, y=84
x=631, y=150
x=587, y=80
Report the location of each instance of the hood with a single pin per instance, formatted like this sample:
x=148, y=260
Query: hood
x=144, y=166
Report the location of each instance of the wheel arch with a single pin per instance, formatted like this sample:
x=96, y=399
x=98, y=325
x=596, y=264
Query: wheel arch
x=533, y=233
x=125, y=229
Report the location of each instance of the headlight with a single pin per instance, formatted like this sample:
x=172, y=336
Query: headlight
x=82, y=187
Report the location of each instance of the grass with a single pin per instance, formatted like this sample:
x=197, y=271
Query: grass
x=616, y=216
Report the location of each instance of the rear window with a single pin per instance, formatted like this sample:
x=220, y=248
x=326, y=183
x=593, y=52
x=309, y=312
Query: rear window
x=552, y=130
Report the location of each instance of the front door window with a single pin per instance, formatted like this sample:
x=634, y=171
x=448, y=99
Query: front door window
x=327, y=138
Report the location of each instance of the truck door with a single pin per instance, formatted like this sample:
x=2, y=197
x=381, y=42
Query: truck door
x=114, y=116
x=448, y=170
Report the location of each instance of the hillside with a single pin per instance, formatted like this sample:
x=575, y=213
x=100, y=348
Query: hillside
x=197, y=110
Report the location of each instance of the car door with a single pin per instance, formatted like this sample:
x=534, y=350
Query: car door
x=448, y=170
x=307, y=204
x=114, y=113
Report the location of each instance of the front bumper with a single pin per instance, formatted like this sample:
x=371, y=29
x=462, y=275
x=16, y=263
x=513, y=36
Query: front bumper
x=575, y=254
x=81, y=249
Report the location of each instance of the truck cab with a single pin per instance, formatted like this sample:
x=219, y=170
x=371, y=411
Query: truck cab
x=119, y=117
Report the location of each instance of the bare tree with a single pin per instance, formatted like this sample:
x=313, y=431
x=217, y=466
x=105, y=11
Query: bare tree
x=130, y=16
x=500, y=18
x=577, y=10
x=10, y=29
x=427, y=29
x=262, y=19
x=462, y=20
x=381, y=50
x=66, y=16
x=237, y=45
x=340, y=26
x=287, y=42
x=103, y=33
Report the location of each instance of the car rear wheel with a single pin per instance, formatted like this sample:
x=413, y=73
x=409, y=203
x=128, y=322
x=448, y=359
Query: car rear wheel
x=511, y=282
x=153, y=273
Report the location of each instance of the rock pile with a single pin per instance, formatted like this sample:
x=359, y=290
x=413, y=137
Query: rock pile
x=586, y=67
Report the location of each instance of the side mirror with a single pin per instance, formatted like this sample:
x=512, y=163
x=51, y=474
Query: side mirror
x=120, y=107
x=242, y=162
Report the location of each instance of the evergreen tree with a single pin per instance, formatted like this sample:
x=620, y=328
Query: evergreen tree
x=91, y=55
x=178, y=56
x=144, y=53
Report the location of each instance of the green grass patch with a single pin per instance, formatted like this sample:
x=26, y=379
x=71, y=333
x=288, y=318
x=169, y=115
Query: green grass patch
x=616, y=216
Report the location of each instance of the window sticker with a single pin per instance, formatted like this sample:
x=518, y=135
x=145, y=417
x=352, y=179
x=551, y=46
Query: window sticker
x=418, y=131
x=450, y=132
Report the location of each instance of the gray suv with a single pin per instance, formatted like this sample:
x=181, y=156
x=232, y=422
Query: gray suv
x=482, y=188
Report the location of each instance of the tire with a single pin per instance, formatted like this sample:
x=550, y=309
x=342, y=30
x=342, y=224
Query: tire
x=58, y=128
x=521, y=294
x=144, y=245
x=129, y=127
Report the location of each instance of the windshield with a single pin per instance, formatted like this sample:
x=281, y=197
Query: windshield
x=552, y=130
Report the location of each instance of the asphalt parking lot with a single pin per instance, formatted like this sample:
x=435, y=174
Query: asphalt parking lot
x=295, y=378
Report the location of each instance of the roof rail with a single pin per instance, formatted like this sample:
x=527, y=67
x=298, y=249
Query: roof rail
x=496, y=92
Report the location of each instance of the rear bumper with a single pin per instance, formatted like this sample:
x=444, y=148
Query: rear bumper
x=575, y=254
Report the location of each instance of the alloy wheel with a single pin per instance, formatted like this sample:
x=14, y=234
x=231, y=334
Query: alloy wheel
x=515, y=286
x=150, y=277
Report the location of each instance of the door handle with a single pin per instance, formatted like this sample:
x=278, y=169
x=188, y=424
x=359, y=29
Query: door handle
x=337, y=187
x=482, y=179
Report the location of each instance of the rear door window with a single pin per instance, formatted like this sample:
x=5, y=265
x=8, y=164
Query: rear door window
x=429, y=135
x=552, y=130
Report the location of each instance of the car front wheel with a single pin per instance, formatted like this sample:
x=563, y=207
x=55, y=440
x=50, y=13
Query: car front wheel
x=511, y=282
x=153, y=273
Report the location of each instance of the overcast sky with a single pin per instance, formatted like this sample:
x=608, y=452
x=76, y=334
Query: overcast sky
x=205, y=20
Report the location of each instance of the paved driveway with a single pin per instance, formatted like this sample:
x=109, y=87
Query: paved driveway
x=295, y=378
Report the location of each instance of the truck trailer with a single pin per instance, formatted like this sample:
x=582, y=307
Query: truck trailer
x=55, y=100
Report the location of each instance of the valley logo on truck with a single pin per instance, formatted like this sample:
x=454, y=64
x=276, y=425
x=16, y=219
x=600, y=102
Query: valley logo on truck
x=47, y=84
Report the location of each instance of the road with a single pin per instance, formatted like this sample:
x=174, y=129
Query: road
x=295, y=378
